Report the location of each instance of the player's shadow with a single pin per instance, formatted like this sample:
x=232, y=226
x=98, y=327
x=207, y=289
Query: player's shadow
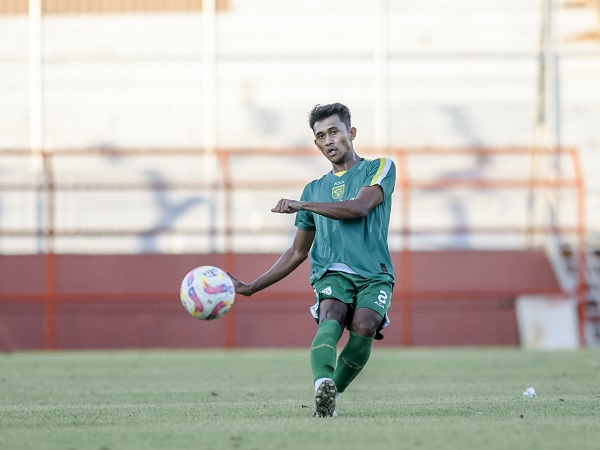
x=169, y=211
x=456, y=203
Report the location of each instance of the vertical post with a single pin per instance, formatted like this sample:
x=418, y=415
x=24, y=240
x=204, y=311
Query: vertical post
x=229, y=262
x=406, y=291
x=554, y=119
x=223, y=158
x=209, y=88
x=556, y=91
x=36, y=110
x=50, y=289
x=35, y=76
x=42, y=165
x=50, y=306
x=581, y=250
x=209, y=109
x=380, y=57
x=540, y=126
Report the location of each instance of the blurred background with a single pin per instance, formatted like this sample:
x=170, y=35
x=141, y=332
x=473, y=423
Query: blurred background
x=142, y=138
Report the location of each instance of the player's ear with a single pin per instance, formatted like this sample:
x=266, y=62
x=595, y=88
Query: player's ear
x=352, y=133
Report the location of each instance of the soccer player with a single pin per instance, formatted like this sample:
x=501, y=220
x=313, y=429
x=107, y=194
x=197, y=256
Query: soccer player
x=342, y=221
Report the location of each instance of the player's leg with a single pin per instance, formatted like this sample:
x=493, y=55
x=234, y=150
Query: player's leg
x=332, y=290
x=332, y=314
x=357, y=350
x=371, y=307
x=323, y=353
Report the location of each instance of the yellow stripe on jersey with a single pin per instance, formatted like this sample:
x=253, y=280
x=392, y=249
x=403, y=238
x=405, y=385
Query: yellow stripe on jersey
x=384, y=167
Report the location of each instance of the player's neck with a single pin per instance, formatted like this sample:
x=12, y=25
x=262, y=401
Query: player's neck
x=347, y=164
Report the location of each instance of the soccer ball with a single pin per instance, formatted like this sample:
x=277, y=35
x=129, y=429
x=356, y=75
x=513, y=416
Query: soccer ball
x=207, y=293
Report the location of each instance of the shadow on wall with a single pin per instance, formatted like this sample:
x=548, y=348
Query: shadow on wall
x=168, y=211
x=456, y=204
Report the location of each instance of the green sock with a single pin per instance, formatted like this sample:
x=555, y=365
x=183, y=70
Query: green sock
x=323, y=350
x=352, y=359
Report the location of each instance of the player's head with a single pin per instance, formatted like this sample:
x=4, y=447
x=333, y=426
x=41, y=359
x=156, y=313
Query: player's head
x=320, y=112
x=333, y=132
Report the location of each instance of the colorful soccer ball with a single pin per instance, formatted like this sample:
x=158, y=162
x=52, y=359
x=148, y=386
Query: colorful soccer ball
x=207, y=293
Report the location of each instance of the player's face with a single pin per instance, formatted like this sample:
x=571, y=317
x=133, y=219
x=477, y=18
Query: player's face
x=334, y=139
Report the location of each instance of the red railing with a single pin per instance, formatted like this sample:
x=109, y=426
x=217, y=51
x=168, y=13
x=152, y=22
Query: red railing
x=407, y=185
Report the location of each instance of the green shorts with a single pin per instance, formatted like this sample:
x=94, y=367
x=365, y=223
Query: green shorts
x=356, y=292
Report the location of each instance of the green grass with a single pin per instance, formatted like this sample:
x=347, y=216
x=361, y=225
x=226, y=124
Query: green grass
x=262, y=399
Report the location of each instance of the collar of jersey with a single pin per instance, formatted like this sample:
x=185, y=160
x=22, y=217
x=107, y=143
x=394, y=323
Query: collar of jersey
x=339, y=174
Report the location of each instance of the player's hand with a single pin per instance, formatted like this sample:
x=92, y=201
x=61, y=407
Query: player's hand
x=240, y=287
x=287, y=206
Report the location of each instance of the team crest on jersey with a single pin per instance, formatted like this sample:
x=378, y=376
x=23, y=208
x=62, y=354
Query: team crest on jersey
x=338, y=190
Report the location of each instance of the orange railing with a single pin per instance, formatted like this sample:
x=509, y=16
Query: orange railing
x=408, y=182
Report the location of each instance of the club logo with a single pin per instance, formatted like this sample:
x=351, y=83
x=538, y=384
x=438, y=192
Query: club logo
x=338, y=191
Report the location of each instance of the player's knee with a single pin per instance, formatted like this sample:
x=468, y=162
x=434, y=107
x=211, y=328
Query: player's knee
x=364, y=329
x=331, y=309
x=366, y=322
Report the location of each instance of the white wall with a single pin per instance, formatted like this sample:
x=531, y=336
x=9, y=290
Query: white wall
x=458, y=75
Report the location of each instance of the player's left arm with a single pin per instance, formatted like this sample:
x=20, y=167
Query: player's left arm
x=368, y=198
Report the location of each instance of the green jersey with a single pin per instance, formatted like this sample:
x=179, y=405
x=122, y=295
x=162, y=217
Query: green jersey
x=356, y=246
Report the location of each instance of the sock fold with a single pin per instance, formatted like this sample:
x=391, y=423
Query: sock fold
x=323, y=350
x=352, y=359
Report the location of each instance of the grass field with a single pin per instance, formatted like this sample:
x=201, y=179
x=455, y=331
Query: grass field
x=262, y=399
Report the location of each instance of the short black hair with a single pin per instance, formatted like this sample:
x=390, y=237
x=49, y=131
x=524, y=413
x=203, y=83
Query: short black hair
x=320, y=112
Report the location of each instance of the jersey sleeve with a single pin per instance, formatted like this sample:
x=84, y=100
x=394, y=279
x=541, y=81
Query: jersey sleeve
x=304, y=219
x=382, y=172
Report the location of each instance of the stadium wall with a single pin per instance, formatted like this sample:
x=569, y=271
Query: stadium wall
x=442, y=298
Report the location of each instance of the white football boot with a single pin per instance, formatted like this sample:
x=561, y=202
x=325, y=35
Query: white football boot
x=325, y=397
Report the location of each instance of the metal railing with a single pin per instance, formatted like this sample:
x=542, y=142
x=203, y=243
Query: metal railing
x=228, y=183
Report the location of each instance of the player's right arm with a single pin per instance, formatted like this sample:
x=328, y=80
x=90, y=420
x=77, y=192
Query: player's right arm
x=286, y=264
x=367, y=199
